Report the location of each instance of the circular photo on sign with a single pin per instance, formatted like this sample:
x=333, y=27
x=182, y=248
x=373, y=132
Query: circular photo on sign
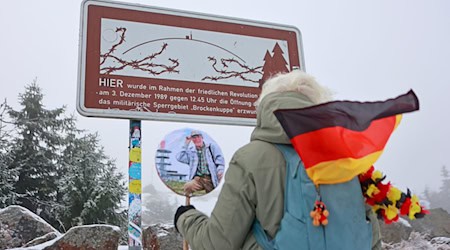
x=190, y=162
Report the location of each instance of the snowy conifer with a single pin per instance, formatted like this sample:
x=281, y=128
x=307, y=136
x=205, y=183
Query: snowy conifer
x=35, y=149
x=440, y=199
x=56, y=170
x=444, y=193
x=93, y=189
x=157, y=207
x=7, y=175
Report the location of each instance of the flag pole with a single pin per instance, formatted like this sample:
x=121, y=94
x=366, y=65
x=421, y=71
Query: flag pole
x=188, y=202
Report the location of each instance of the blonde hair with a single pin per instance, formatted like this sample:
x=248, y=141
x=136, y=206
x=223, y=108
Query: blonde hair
x=296, y=81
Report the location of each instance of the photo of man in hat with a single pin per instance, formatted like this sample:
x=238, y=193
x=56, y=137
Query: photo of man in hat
x=206, y=163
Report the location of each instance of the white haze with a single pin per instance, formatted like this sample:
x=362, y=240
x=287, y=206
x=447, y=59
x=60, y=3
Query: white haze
x=363, y=50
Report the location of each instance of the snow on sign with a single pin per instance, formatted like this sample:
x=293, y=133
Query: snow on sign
x=140, y=62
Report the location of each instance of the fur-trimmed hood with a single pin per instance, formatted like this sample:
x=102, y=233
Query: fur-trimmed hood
x=268, y=128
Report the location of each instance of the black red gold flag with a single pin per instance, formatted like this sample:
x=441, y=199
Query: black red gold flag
x=341, y=139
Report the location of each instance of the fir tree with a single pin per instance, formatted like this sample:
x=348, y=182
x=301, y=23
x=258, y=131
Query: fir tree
x=7, y=175
x=55, y=170
x=93, y=188
x=427, y=193
x=445, y=188
x=440, y=199
x=157, y=208
x=444, y=193
x=35, y=150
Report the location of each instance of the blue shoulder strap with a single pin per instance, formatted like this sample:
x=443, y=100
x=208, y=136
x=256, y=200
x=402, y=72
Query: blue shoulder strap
x=292, y=164
x=261, y=237
x=292, y=160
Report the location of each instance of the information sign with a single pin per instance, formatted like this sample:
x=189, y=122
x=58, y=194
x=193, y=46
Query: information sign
x=148, y=63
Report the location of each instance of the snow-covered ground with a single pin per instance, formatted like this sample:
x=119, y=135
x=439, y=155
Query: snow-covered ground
x=419, y=241
x=416, y=242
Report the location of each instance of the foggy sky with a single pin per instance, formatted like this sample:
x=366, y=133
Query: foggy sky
x=362, y=50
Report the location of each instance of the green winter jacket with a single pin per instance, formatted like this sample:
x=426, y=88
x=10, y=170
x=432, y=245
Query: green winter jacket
x=254, y=186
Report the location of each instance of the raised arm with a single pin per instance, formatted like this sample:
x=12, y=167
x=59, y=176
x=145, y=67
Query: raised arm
x=183, y=156
x=231, y=218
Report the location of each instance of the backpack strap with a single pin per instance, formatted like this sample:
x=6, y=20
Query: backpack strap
x=261, y=237
x=292, y=165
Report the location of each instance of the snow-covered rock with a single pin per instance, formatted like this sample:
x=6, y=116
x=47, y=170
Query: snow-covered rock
x=162, y=236
x=19, y=226
x=435, y=224
x=42, y=239
x=418, y=241
x=89, y=237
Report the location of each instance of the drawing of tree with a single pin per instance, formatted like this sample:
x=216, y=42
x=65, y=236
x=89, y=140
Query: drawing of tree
x=267, y=68
x=278, y=61
x=273, y=64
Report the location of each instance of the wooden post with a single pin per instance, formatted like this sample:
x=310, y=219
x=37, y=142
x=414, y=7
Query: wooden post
x=188, y=202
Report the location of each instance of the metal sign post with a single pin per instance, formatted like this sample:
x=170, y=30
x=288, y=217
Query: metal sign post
x=135, y=187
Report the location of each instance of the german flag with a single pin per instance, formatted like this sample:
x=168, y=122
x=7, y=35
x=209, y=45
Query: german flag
x=341, y=139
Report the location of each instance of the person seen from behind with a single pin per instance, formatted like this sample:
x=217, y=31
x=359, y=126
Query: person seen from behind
x=255, y=181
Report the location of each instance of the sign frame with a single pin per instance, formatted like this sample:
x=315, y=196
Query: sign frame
x=88, y=69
